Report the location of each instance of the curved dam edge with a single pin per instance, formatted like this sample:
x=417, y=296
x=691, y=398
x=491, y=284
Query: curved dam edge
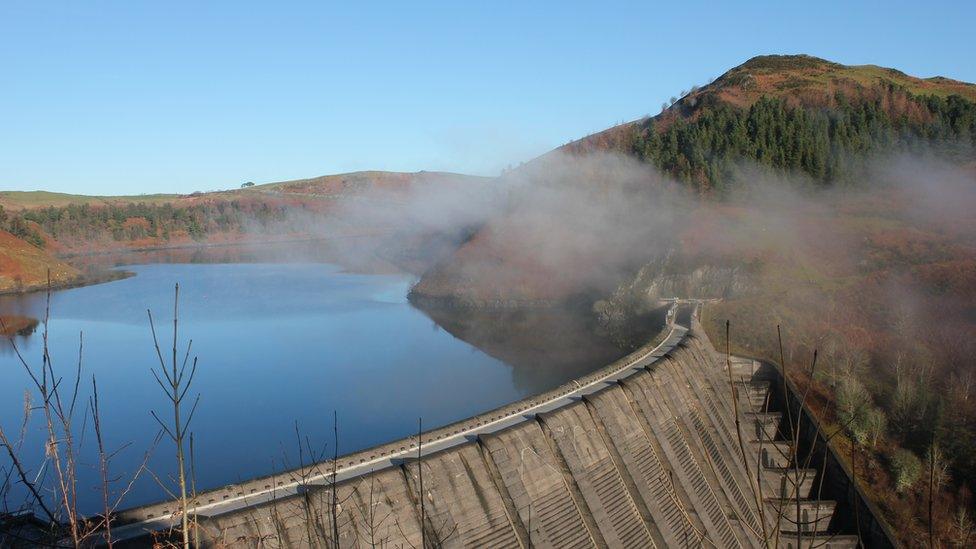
x=139, y=520
x=645, y=452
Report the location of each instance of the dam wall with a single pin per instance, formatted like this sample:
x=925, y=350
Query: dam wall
x=666, y=447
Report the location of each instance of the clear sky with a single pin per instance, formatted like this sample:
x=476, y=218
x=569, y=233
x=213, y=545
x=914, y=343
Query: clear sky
x=135, y=97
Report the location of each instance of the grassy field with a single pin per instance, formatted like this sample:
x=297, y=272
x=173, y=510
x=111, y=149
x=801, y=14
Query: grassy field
x=19, y=200
x=323, y=186
x=775, y=75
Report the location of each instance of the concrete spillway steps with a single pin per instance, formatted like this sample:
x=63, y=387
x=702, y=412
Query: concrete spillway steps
x=627, y=524
x=753, y=393
x=742, y=368
x=561, y=520
x=820, y=542
x=525, y=464
x=790, y=509
x=791, y=483
x=813, y=517
x=692, y=471
x=646, y=468
x=773, y=453
x=496, y=531
x=765, y=425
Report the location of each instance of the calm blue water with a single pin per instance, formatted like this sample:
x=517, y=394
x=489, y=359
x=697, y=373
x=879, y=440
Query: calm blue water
x=277, y=344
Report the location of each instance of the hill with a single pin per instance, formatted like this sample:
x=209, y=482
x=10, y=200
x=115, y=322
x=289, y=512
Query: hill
x=23, y=266
x=39, y=225
x=795, y=117
x=335, y=185
x=67, y=223
x=20, y=200
x=358, y=182
x=795, y=113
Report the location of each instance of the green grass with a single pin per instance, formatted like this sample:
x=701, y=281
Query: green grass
x=40, y=199
x=802, y=72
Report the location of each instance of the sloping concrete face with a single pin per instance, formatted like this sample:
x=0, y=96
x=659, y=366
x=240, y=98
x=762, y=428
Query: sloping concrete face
x=653, y=451
x=462, y=507
x=537, y=486
x=594, y=470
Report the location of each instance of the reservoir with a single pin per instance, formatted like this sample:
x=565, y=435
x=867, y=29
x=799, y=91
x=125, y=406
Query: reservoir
x=281, y=344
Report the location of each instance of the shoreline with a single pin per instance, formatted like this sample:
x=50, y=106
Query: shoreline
x=76, y=282
x=108, y=274
x=192, y=246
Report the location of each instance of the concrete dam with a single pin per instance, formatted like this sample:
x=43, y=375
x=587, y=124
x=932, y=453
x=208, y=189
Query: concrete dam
x=671, y=446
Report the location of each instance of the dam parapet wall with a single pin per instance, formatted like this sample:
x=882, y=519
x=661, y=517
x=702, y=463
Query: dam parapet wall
x=667, y=447
x=394, y=454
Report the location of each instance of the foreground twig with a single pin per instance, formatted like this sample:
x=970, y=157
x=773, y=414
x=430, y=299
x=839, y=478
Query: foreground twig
x=177, y=385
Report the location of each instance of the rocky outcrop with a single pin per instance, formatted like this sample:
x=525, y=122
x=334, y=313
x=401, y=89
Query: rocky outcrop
x=674, y=275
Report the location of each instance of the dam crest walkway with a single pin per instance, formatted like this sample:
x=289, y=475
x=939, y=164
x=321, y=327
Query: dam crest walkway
x=671, y=446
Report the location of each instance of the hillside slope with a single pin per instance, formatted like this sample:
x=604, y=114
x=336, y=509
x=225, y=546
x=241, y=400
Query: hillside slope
x=357, y=182
x=38, y=224
x=800, y=80
x=23, y=266
x=798, y=114
x=326, y=186
x=793, y=117
x=274, y=211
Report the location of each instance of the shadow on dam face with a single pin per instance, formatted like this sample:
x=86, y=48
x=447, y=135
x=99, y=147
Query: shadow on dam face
x=544, y=346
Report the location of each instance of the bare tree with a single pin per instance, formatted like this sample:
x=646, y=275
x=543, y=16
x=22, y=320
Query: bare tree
x=962, y=527
x=62, y=448
x=334, y=503
x=372, y=522
x=178, y=382
x=797, y=470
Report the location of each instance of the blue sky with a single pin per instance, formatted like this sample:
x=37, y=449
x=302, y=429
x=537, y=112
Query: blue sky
x=137, y=97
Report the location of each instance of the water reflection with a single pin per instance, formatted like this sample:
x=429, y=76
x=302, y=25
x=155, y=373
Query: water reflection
x=19, y=318
x=309, y=251
x=283, y=338
x=544, y=347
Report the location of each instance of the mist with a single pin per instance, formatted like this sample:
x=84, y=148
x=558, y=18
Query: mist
x=858, y=264
x=565, y=226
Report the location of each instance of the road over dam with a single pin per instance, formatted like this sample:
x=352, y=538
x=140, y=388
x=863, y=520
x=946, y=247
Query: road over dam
x=675, y=445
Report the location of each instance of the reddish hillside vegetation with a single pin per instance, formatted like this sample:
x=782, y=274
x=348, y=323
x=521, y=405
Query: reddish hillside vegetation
x=787, y=116
x=23, y=266
x=54, y=223
x=801, y=81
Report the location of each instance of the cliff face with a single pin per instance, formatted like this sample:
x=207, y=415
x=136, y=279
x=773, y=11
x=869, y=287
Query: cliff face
x=705, y=279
